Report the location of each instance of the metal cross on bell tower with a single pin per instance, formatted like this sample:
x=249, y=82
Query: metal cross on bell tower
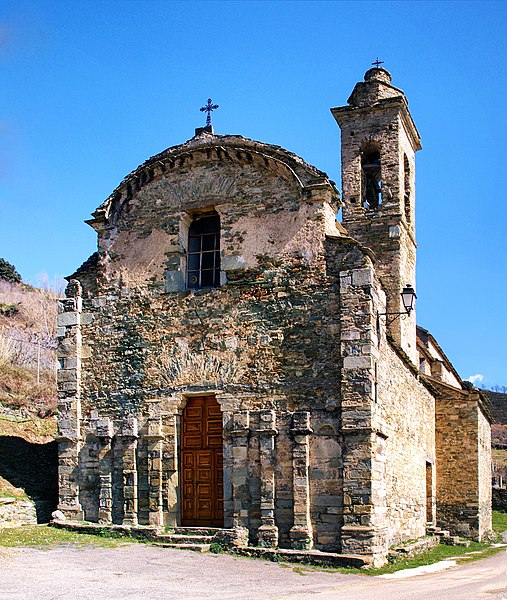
x=208, y=108
x=377, y=63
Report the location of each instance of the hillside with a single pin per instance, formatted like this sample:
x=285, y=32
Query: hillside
x=28, y=482
x=499, y=413
x=27, y=349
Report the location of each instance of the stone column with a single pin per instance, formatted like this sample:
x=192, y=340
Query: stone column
x=301, y=534
x=154, y=439
x=128, y=434
x=362, y=531
x=69, y=402
x=105, y=434
x=239, y=467
x=267, y=535
x=170, y=470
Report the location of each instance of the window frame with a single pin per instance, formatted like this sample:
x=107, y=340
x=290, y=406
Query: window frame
x=203, y=252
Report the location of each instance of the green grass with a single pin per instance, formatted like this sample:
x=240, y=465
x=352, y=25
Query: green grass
x=499, y=521
x=475, y=551
x=436, y=554
x=44, y=536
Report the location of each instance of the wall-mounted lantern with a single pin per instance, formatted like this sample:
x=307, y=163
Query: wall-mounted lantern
x=408, y=297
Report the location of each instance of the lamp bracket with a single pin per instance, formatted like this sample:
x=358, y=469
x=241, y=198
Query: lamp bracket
x=392, y=316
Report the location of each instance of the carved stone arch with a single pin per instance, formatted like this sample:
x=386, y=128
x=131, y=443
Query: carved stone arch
x=221, y=150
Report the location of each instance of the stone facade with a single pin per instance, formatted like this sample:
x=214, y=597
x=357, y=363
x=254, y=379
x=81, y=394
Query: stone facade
x=328, y=427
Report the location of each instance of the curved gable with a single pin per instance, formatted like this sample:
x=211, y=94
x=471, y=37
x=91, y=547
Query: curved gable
x=206, y=169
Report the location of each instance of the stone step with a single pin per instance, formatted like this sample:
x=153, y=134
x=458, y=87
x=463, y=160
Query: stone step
x=193, y=547
x=314, y=557
x=443, y=533
x=208, y=531
x=455, y=540
x=175, y=538
x=437, y=531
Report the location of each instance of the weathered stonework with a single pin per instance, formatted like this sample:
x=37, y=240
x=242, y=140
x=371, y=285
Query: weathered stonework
x=327, y=426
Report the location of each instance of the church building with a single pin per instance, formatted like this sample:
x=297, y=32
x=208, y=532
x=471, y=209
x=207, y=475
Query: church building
x=234, y=357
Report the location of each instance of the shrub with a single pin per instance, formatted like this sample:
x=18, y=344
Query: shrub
x=8, y=271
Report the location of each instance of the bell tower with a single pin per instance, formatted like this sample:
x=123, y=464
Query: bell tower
x=379, y=141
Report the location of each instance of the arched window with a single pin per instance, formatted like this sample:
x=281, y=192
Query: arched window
x=371, y=179
x=203, y=266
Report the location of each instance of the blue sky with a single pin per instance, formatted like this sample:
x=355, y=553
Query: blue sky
x=92, y=89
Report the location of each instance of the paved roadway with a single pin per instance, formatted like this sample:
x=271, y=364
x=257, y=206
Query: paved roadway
x=138, y=571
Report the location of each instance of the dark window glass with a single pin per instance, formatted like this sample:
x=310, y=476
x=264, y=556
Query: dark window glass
x=194, y=262
x=209, y=242
x=207, y=279
x=208, y=260
x=204, y=252
x=194, y=244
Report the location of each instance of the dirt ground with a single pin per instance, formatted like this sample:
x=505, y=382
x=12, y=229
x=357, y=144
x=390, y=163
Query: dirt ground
x=137, y=571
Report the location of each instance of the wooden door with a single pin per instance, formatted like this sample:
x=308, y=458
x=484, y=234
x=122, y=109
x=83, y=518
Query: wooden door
x=202, y=464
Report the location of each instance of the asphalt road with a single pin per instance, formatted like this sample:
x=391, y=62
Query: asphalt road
x=138, y=571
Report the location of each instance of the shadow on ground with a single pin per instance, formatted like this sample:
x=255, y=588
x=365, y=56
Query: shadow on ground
x=34, y=468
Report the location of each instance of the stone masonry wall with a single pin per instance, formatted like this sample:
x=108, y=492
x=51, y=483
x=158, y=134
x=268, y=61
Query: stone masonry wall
x=387, y=424
x=275, y=351
x=405, y=445
x=265, y=343
x=377, y=119
x=464, y=465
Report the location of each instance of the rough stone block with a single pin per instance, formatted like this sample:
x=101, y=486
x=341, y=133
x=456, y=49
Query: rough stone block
x=67, y=319
x=362, y=277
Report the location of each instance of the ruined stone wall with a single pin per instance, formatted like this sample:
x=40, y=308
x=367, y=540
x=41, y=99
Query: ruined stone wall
x=463, y=465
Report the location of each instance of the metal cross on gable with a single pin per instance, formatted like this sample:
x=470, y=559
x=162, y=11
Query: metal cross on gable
x=378, y=62
x=208, y=108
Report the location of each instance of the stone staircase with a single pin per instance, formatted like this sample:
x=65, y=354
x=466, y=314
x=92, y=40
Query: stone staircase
x=446, y=537
x=201, y=539
x=198, y=539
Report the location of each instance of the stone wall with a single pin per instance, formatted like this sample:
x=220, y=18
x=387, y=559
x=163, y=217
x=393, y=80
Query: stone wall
x=15, y=512
x=405, y=448
x=463, y=446
x=500, y=499
x=266, y=344
x=387, y=425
